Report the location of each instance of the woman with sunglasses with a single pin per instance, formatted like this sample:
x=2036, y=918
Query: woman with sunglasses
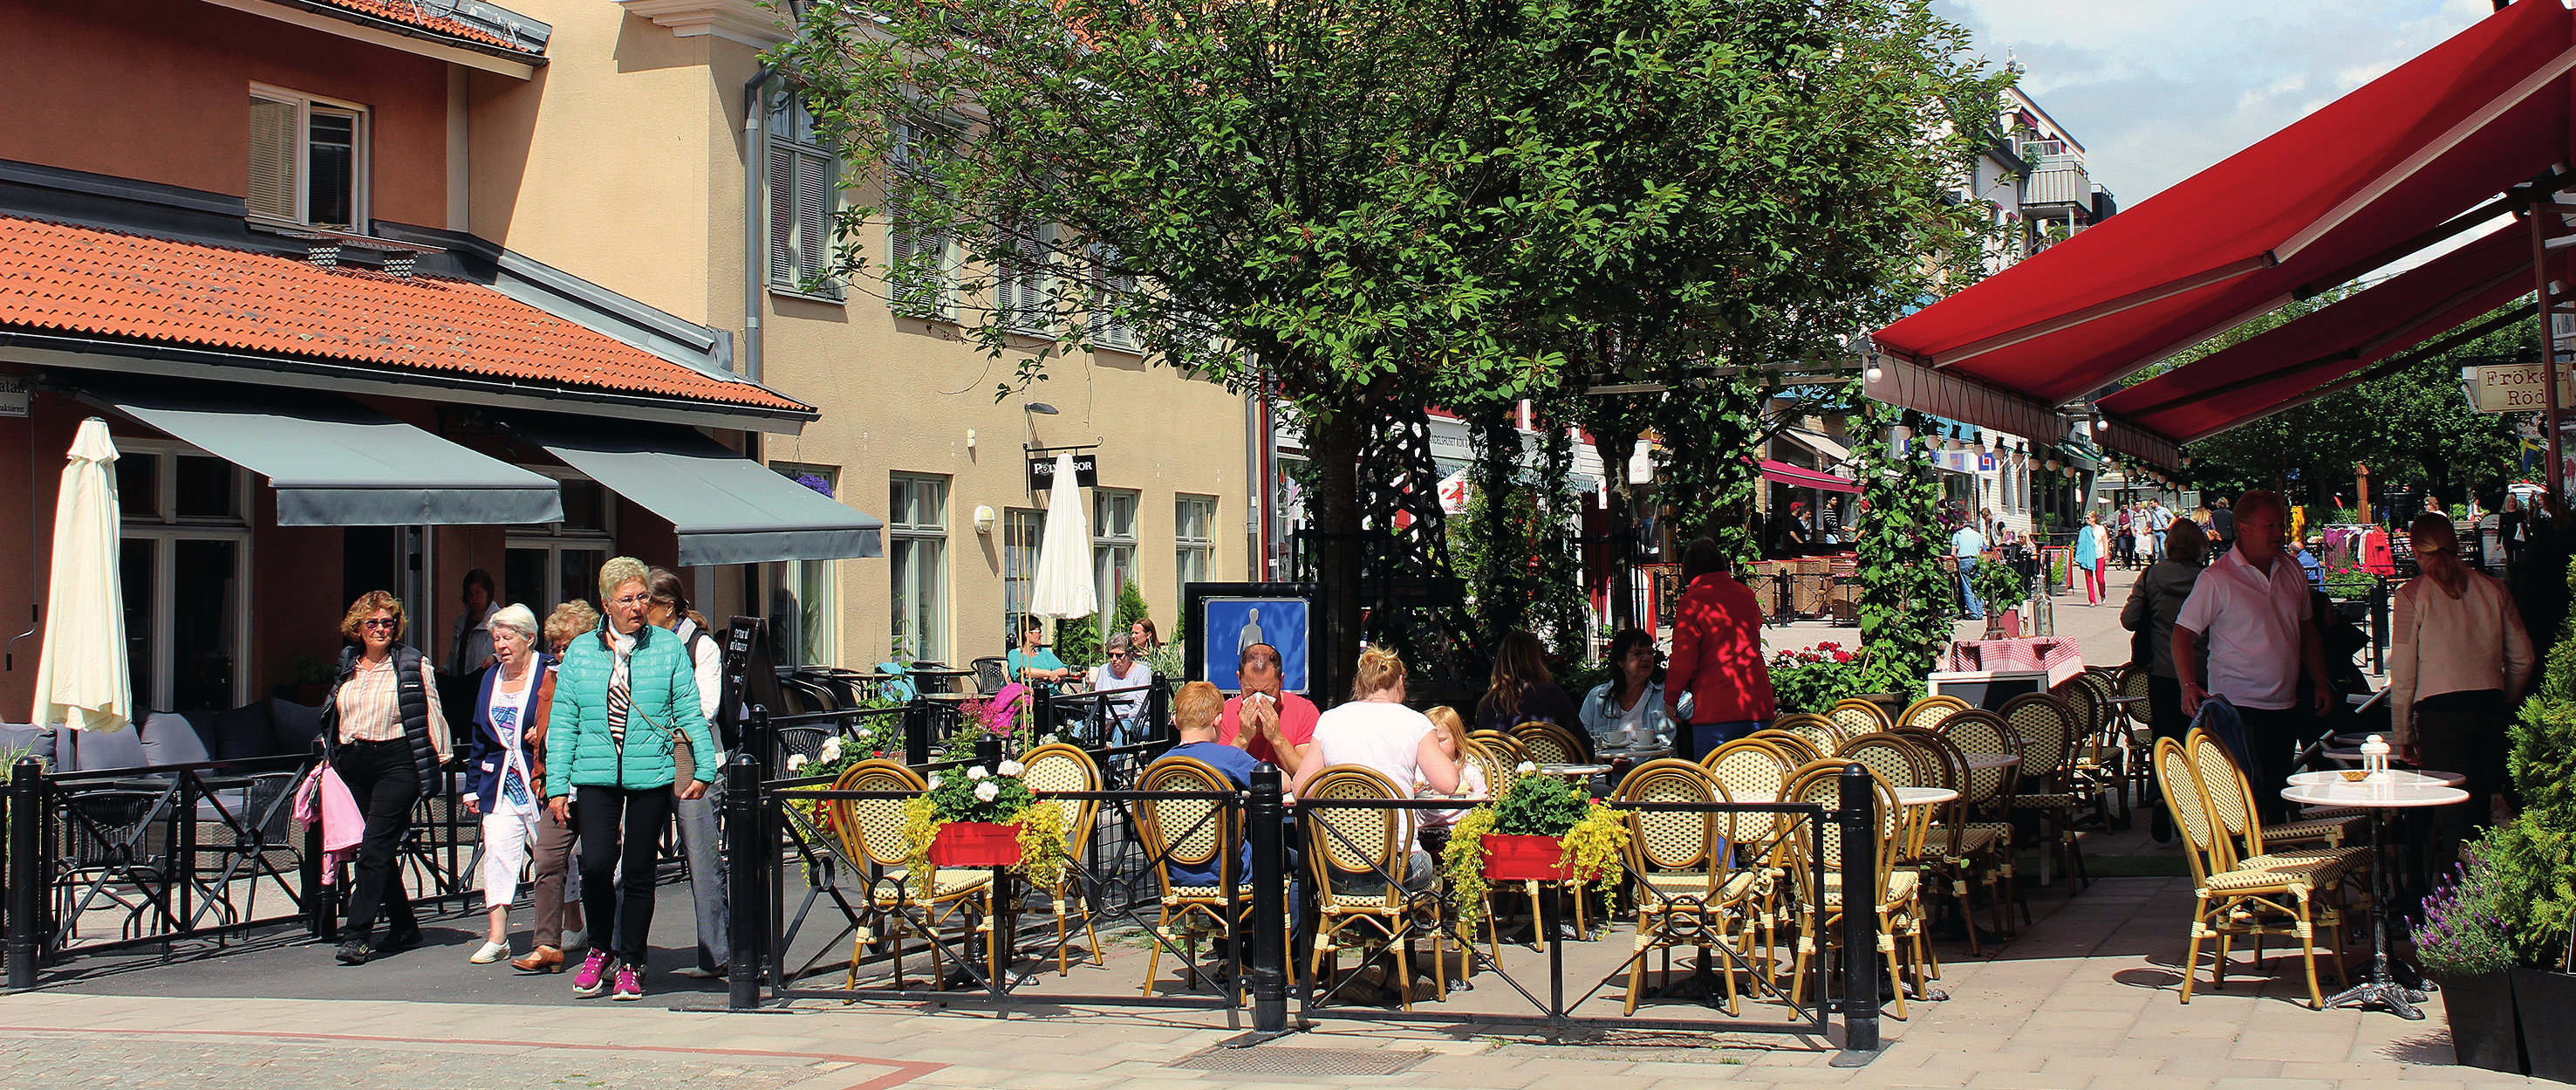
x=626, y=697
x=385, y=735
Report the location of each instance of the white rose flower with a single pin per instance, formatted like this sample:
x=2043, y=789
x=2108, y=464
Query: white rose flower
x=987, y=790
x=934, y=782
x=1011, y=768
x=1527, y=767
x=1046, y=739
x=795, y=761
x=831, y=749
x=976, y=773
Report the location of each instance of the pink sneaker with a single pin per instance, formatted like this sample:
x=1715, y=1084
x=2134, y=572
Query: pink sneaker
x=593, y=977
x=628, y=987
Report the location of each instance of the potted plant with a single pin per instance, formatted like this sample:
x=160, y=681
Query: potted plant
x=980, y=819
x=2001, y=588
x=2462, y=945
x=1542, y=829
x=2535, y=865
x=1811, y=679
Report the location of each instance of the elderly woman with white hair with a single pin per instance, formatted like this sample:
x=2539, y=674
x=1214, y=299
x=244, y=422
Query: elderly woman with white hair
x=507, y=765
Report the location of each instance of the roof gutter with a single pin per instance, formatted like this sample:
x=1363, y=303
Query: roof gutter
x=180, y=361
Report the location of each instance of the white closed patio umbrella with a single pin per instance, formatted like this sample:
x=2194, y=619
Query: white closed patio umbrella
x=81, y=679
x=1063, y=589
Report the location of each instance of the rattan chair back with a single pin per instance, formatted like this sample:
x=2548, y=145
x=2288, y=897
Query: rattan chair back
x=1893, y=757
x=1187, y=833
x=1928, y=712
x=1547, y=743
x=2047, y=729
x=1819, y=732
x=1854, y=717
x=1976, y=733
x=1501, y=769
x=1352, y=847
x=1058, y=767
x=1796, y=747
x=872, y=829
x=1666, y=840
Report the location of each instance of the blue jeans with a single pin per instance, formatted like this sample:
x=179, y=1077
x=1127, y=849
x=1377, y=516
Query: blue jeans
x=1704, y=737
x=1968, y=602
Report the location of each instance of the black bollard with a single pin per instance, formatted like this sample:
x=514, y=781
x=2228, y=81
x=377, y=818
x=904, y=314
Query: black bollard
x=1269, y=970
x=750, y=855
x=988, y=750
x=1859, y=865
x=26, y=893
x=759, y=740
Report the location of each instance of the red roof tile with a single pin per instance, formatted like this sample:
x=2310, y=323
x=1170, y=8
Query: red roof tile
x=109, y=283
x=410, y=13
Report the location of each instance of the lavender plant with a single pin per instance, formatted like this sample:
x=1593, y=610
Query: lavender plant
x=2463, y=929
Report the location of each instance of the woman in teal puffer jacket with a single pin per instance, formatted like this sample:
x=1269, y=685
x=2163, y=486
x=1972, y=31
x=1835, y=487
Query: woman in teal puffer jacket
x=622, y=693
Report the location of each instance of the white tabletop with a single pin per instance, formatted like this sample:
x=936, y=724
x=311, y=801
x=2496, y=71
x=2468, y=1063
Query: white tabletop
x=1981, y=762
x=2424, y=776
x=1924, y=796
x=1572, y=770
x=2373, y=796
x=1639, y=754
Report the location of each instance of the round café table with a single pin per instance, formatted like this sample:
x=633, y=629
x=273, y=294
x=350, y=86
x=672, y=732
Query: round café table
x=2396, y=775
x=2381, y=798
x=1985, y=762
x=1924, y=796
x=1574, y=774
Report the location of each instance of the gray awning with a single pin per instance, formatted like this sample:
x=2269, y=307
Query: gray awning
x=727, y=508
x=335, y=462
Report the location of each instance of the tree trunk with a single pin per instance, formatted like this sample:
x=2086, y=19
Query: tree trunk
x=1334, y=444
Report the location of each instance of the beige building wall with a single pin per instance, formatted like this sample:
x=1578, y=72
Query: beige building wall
x=622, y=163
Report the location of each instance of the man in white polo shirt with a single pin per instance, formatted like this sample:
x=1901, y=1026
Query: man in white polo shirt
x=2252, y=603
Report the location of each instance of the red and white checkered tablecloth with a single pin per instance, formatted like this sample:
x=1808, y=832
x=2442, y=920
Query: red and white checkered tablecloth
x=2056, y=654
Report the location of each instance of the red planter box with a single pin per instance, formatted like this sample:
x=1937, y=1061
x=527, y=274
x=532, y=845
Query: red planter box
x=1515, y=858
x=976, y=844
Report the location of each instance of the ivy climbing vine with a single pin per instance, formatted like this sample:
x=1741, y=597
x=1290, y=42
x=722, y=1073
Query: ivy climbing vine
x=1904, y=598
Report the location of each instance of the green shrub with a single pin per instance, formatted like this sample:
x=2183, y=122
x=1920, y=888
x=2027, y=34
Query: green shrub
x=2535, y=853
x=1999, y=585
x=1811, y=679
x=1131, y=607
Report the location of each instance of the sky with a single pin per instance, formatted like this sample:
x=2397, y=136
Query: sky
x=2156, y=90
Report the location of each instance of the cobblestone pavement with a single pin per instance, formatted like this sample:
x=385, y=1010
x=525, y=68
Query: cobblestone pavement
x=109, y=1059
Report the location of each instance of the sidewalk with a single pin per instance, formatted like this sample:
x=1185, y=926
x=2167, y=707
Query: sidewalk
x=2095, y=628
x=2085, y=1000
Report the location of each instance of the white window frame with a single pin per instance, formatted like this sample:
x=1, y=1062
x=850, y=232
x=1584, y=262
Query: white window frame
x=925, y=625
x=1107, y=329
x=905, y=241
x=1106, y=546
x=361, y=139
x=167, y=529
x=1202, y=549
x=554, y=537
x=813, y=172
x=1021, y=286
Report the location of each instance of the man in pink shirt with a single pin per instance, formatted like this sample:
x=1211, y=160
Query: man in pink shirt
x=1262, y=721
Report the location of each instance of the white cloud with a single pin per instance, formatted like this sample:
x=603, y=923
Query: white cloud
x=2157, y=90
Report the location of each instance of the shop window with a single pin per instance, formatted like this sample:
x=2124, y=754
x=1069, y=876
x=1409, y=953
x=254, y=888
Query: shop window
x=1113, y=549
x=1193, y=541
x=559, y=562
x=804, y=616
x=917, y=546
x=184, y=560
x=1023, y=529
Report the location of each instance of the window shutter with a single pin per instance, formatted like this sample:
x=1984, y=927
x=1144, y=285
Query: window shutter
x=782, y=217
x=273, y=134
x=813, y=219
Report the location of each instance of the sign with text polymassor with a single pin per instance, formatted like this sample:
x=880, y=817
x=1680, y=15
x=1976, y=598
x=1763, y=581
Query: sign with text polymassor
x=1086, y=471
x=2515, y=388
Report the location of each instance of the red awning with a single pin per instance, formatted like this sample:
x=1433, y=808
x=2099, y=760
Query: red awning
x=2343, y=191
x=2283, y=366
x=1797, y=477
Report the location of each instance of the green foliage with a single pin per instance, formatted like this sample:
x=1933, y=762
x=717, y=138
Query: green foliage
x=1077, y=642
x=2350, y=582
x=1812, y=679
x=1593, y=836
x=1131, y=607
x=1904, y=597
x=2535, y=854
x=2000, y=587
x=2462, y=931
x=1701, y=471
x=1539, y=806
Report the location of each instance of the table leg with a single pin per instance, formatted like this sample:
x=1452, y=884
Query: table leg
x=2379, y=987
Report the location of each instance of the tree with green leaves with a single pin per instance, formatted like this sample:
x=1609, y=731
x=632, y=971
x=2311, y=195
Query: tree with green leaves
x=1394, y=201
x=1904, y=596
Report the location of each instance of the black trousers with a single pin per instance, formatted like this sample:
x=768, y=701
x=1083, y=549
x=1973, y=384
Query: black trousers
x=618, y=825
x=384, y=784
x=2463, y=732
x=2276, y=734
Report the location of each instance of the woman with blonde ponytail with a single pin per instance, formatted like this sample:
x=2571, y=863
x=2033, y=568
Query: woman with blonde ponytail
x=1377, y=731
x=2460, y=662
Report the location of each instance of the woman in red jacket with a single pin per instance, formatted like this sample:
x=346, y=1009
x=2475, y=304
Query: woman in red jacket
x=1716, y=681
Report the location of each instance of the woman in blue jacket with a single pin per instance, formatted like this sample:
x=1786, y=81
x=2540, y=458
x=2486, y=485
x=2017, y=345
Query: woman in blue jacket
x=506, y=765
x=626, y=700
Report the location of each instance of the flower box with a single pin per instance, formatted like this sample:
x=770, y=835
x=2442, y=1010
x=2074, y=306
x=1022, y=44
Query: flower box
x=2484, y=1030
x=2546, y=1003
x=1516, y=858
x=976, y=844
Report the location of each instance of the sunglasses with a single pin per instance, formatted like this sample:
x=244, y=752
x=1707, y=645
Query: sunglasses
x=385, y=623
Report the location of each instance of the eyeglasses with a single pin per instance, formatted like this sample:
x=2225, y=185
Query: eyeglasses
x=386, y=623
x=631, y=600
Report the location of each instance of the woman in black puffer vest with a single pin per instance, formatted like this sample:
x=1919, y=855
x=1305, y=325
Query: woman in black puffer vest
x=385, y=735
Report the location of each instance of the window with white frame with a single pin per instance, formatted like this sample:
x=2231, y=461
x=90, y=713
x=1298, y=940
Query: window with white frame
x=917, y=546
x=803, y=192
x=184, y=559
x=921, y=280
x=1023, y=531
x=1020, y=289
x=1113, y=548
x=1110, y=288
x=551, y=563
x=803, y=615
x=1193, y=542
x=308, y=159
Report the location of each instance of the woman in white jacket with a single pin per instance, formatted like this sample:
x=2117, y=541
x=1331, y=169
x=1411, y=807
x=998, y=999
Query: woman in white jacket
x=2459, y=664
x=696, y=818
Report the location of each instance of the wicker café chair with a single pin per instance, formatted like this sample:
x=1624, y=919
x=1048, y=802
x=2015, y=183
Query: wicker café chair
x=1501, y=767
x=1928, y=712
x=1547, y=743
x=2229, y=899
x=1191, y=833
x=1896, y=898
x=1755, y=770
x=1498, y=741
x=1954, y=853
x=1795, y=746
x=2099, y=765
x=2047, y=728
x=1989, y=793
x=1689, y=895
x=1820, y=733
x=2229, y=798
x=872, y=830
x=1856, y=717
x=1351, y=850
x=1060, y=767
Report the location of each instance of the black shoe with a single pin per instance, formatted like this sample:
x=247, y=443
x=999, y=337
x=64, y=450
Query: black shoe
x=353, y=952
x=401, y=938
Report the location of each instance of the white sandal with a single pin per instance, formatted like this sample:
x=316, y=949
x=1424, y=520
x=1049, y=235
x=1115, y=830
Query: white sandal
x=491, y=952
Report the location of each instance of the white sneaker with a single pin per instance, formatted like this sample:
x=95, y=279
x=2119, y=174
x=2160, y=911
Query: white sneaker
x=576, y=939
x=491, y=952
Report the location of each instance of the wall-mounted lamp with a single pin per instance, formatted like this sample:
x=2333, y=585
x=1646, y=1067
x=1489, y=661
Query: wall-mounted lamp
x=983, y=520
x=1039, y=407
x=970, y=438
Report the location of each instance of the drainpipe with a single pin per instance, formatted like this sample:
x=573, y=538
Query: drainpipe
x=755, y=156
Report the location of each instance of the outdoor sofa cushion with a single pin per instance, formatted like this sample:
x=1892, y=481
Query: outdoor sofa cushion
x=36, y=741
